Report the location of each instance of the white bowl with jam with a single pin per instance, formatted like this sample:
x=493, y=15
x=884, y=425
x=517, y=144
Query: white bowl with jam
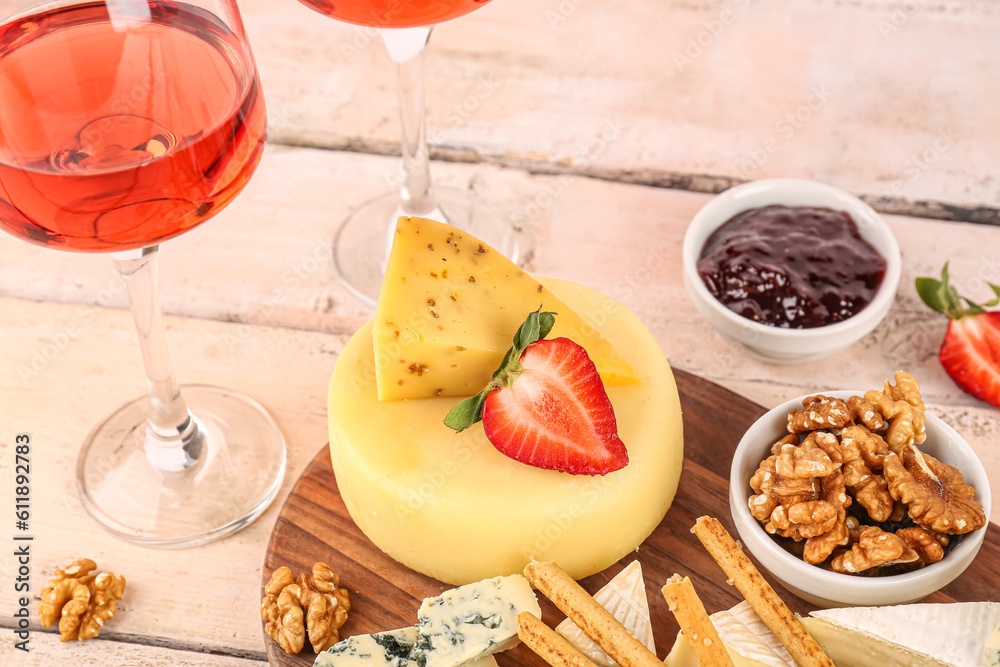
x=827, y=588
x=790, y=269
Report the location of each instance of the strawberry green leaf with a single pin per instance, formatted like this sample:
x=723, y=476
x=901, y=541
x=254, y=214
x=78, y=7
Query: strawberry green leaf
x=929, y=290
x=973, y=306
x=996, y=300
x=536, y=326
x=941, y=297
x=466, y=413
x=547, y=320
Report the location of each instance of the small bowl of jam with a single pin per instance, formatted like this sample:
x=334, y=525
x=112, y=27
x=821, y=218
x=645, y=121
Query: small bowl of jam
x=790, y=269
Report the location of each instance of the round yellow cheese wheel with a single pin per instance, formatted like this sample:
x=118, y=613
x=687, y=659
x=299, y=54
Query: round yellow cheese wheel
x=451, y=506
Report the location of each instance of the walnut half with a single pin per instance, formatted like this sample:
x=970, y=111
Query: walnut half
x=309, y=605
x=903, y=410
x=934, y=492
x=80, y=601
x=873, y=548
x=819, y=412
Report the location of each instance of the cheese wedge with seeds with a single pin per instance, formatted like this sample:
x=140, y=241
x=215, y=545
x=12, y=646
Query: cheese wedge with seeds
x=449, y=307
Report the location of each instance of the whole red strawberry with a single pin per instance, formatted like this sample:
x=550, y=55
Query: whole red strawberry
x=970, y=352
x=546, y=406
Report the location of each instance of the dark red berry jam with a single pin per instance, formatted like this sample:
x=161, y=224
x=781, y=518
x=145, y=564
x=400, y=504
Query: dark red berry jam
x=794, y=267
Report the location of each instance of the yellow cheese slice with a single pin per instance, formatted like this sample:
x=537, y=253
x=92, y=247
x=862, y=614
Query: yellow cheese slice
x=449, y=307
x=451, y=506
x=625, y=597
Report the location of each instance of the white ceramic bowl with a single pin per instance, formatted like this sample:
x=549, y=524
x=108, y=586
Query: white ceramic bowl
x=774, y=343
x=832, y=589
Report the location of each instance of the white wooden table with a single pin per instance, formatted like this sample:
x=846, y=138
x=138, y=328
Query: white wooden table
x=893, y=101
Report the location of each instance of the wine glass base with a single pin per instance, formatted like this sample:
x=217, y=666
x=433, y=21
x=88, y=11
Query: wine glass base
x=361, y=246
x=234, y=480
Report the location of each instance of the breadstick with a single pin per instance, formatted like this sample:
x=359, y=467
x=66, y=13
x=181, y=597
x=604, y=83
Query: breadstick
x=771, y=609
x=550, y=646
x=596, y=621
x=690, y=613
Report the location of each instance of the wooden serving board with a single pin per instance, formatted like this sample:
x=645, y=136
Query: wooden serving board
x=314, y=526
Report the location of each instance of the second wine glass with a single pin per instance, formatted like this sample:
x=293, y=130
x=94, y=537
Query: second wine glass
x=361, y=245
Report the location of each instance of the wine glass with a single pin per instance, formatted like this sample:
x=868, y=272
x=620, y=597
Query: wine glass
x=124, y=123
x=361, y=246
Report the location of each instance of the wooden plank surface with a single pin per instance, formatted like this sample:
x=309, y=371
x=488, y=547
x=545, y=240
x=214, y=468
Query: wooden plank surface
x=891, y=99
x=314, y=525
x=47, y=651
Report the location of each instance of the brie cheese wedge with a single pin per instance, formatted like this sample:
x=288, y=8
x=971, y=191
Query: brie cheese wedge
x=625, y=597
x=958, y=634
x=747, y=640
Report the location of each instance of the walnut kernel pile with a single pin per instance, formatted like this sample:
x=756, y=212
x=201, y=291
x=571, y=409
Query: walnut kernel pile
x=313, y=605
x=850, y=471
x=80, y=601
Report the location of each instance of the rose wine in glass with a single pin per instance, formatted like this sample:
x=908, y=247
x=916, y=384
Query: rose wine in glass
x=124, y=123
x=361, y=246
x=395, y=13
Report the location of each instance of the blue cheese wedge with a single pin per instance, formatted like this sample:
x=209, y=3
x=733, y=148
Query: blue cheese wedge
x=396, y=648
x=747, y=639
x=625, y=597
x=475, y=620
x=958, y=634
x=462, y=627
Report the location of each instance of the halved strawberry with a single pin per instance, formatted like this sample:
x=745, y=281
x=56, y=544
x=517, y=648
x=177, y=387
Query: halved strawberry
x=546, y=406
x=970, y=352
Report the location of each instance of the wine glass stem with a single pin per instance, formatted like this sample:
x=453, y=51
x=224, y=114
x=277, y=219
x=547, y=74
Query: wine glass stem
x=408, y=49
x=172, y=440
